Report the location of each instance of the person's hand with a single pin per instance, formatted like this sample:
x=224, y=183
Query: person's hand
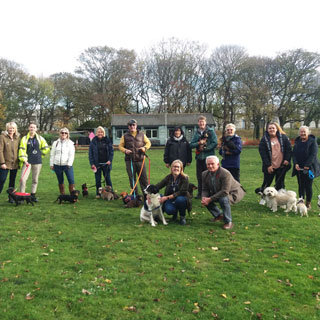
x=297, y=167
x=108, y=163
x=3, y=166
x=163, y=199
x=270, y=169
x=167, y=165
x=128, y=151
x=205, y=201
x=142, y=149
x=93, y=167
x=285, y=162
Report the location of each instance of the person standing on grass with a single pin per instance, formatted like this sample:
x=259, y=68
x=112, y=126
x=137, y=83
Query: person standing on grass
x=177, y=147
x=61, y=159
x=275, y=151
x=306, y=165
x=32, y=149
x=230, y=150
x=9, y=146
x=175, y=197
x=100, y=158
x=204, y=141
x=218, y=185
x=134, y=145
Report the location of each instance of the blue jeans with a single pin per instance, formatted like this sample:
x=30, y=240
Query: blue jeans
x=225, y=206
x=179, y=204
x=105, y=169
x=59, y=170
x=3, y=177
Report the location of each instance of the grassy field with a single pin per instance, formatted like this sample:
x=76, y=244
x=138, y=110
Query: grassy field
x=95, y=260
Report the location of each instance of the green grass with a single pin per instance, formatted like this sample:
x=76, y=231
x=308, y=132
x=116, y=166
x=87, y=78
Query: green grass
x=266, y=267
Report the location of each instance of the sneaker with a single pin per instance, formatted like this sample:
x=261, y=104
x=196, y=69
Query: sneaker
x=228, y=226
x=218, y=218
x=183, y=221
x=33, y=197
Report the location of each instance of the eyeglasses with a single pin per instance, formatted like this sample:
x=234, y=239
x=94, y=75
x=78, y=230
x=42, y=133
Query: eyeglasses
x=63, y=132
x=176, y=167
x=132, y=124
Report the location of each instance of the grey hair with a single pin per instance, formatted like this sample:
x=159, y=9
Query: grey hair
x=231, y=125
x=215, y=158
x=305, y=127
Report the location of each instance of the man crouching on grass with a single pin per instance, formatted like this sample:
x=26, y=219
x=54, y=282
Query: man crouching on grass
x=218, y=185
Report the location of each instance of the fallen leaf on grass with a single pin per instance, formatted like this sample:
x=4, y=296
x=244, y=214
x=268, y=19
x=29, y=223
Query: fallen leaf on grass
x=108, y=281
x=131, y=308
x=44, y=254
x=29, y=296
x=84, y=291
x=215, y=315
x=223, y=295
x=275, y=256
x=195, y=311
x=215, y=248
x=12, y=296
x=226, y=260
x=310, y=277
x=247, y=302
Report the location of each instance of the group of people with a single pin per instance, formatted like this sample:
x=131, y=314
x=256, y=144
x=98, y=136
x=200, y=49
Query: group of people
x=216, y=183
x=276, y=154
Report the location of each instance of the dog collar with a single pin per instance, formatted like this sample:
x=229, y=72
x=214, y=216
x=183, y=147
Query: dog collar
x=154, y=209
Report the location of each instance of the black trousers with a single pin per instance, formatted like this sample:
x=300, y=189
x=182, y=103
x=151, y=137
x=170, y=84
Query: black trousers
x=3, y=177
x=235, y=173
x=201, y=166
x=280, y=175
x=305, y=186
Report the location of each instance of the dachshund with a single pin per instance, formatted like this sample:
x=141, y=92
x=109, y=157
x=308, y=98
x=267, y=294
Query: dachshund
x=19, y=197
x=72, y=198
x=85, y=192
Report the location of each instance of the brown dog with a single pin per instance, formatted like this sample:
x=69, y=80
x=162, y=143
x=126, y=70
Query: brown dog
x=106, y=193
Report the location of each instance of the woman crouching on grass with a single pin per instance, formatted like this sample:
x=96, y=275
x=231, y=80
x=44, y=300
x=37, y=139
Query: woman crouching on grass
x=175, y=197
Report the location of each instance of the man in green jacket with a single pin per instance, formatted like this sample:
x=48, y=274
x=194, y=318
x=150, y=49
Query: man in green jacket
x=204, y=141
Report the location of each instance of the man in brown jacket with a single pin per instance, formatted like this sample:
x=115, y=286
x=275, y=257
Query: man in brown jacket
x=218, y=185
x=134, y=145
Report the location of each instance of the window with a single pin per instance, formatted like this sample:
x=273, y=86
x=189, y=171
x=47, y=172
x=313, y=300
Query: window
x=120, y=133
x=152, y=133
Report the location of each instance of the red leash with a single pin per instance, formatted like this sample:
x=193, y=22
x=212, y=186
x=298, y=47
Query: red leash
x=27, y=166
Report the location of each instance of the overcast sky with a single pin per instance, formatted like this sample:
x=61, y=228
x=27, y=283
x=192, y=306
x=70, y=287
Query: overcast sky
x=47, y=36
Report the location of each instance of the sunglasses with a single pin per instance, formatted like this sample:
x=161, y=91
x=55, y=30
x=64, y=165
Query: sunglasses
x=132, y=125
x=63, y=132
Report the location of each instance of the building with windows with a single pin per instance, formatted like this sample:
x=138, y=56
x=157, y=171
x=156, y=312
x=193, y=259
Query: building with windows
x=158, y=127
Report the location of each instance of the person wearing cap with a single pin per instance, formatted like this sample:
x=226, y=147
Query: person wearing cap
x=61, y=159
x=134, y=145
x=177, y=148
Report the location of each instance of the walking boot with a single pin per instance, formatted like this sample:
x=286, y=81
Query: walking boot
x=33, y=196
x=71, y=188
x=61, y=188
x=308, y=205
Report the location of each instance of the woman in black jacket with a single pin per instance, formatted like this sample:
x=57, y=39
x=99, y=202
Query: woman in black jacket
x=100, y=158
x=275, y=151
x=177, y=147
x=305, y=159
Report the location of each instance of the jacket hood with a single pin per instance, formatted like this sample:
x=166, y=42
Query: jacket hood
x=5, y=133
x=311, y=137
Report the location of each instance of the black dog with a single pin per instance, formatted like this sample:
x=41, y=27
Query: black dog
x=191, y=187
x=72, y=198
x=18, y=197
x=85, y=192
x=151, y=188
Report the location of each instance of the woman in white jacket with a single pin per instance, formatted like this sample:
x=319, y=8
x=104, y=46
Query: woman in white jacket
x=61, y=159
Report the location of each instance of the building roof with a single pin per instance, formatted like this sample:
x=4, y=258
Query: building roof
x=157, y=119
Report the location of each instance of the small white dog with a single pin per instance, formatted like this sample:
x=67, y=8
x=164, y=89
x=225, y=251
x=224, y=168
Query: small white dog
x=319, y=200
x=302, y=208
x=275, y=199
x=152, y=208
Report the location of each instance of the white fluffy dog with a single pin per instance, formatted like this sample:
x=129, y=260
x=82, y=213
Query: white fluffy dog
x=275, y=199
x=319, y=200
x=302, y=208
x=152, y=208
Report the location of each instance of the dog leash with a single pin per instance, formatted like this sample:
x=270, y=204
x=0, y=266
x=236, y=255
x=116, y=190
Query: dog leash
x=27, y=166
x=132, y=191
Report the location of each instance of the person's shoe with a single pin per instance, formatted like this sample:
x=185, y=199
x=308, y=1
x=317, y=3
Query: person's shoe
x=33, y=196
x=228, y=226
x=218, y=218
x=308, y=205
x=183, y=221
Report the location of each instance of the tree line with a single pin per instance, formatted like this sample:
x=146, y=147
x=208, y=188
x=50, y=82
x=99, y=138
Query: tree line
x=174, y=76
